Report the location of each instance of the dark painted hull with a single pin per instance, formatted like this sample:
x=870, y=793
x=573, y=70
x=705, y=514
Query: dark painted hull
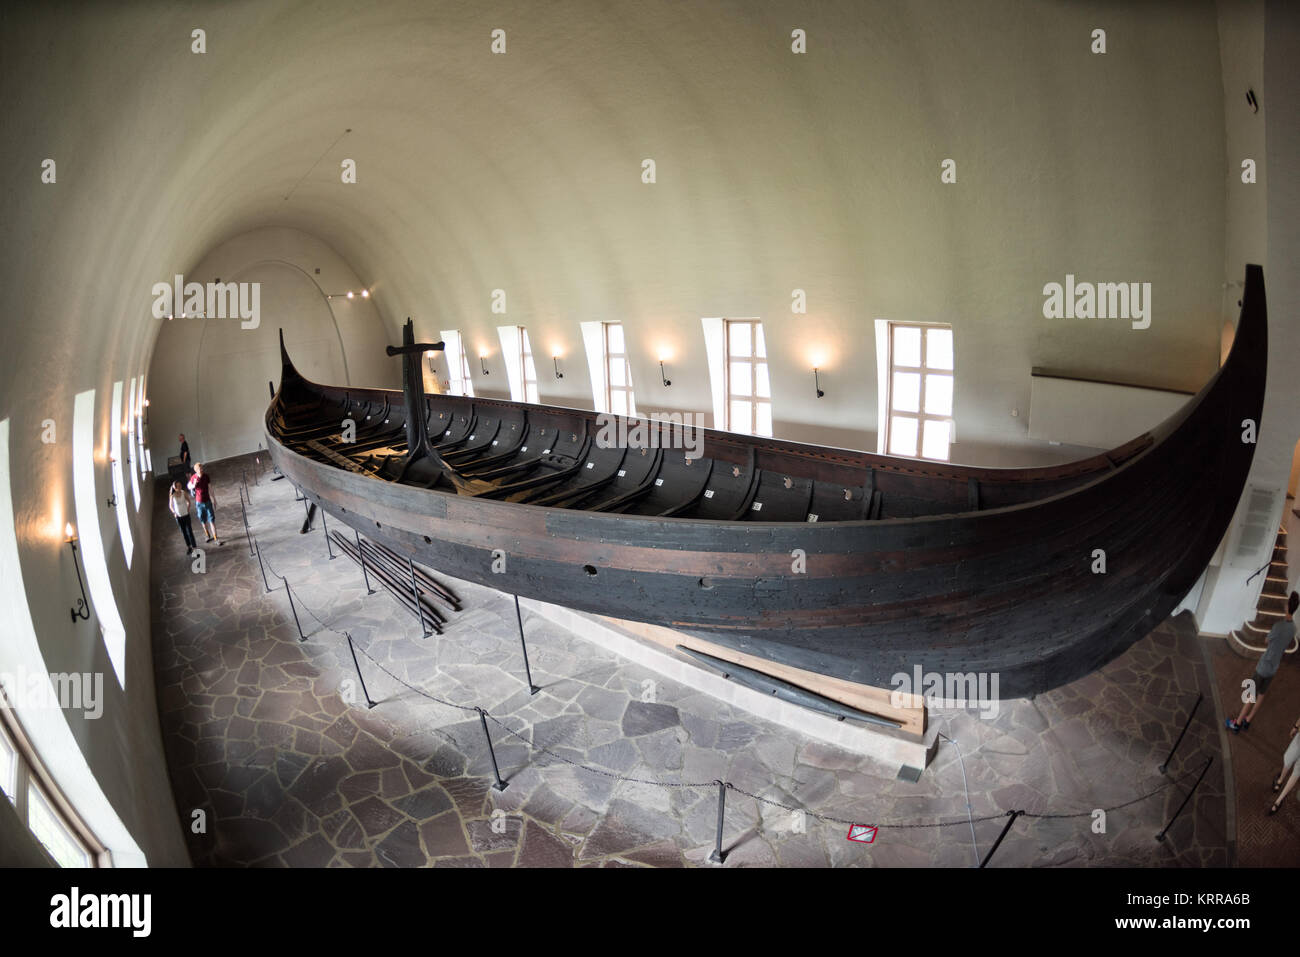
x=1008, y=590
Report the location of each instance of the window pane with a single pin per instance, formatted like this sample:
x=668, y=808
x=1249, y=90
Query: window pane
x=531, y=393
x=907, y=391
x=530, y=370
x=627, y=372
x=902, y=435
x=907, y=346
x=935, y=443
x=741, y=416
x=938, y=394
x=616, y=373
x=764, y=412
x=615, y=333
x=618, y=401
x=740, y=379
x=739, y=338
x=763, y=387
x=8, y=767
x=938, y=348
x=760, y=343
x=52, y=832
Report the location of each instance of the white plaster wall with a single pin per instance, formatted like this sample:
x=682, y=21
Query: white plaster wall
x=522, y=172
x=1259, y=44
x=208, y=377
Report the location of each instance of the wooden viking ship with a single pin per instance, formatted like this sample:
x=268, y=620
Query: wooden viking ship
x=843, y=563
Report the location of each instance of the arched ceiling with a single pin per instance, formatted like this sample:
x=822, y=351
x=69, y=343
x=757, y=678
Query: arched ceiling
x=521, y=171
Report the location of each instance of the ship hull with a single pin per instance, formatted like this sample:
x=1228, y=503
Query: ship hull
x=1037, y=593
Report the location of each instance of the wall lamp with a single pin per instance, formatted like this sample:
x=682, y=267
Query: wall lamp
x=80, y=611
x=110, y=502
x=482, y=362
x=365, y=294
x=817, y=384
x=558, y=373
x=662, y=374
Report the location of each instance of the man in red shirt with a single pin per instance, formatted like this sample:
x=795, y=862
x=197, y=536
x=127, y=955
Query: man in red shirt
x=200, y=485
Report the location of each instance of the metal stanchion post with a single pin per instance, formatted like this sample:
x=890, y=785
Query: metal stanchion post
x=415, y=591
x=1165, y=830
x=294, y=609
x=258, y=549
x=1164, y=767
x=500, y=785
x=717, y=855
x=248, y=532
x=361, y=558
x=326, y=529
x=357, y=665
x=1011, y=819
x=528, y=672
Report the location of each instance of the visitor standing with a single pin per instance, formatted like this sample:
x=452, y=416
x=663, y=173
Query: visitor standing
x=204, y=503
x=1279, y=636
x=179, y=503
x=1290, y=762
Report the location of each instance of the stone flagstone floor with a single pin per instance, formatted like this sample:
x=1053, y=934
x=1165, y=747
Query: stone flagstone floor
x=270, y=738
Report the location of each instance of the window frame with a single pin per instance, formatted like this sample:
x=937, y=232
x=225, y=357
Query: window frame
x=610, y=356
x=923, y=371
x=529, y=389
x=752, y=360
x=459, y=381
x=31, y=773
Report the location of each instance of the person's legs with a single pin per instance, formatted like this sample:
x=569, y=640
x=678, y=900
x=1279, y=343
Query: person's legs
x=205, y=518
x=1290, y=783
x=1250, y=708
x=187, y=529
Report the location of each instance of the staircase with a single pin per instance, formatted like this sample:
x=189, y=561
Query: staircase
x=1249, y=639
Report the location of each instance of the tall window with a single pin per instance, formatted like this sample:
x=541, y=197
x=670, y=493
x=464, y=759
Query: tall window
x=8, y=766
x=527, y=371
x=618, y=373
x=51, y=820
x=459, y=380
x=88, y=501
x=748, y=391
x=920, y=390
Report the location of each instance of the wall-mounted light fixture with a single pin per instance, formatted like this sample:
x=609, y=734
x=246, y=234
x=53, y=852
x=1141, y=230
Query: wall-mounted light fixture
x=558, y=373
x=365, y=294
x=112, y=502
x=1250, y=99
x=662, y=374
x=817, y=384
x=79, y=611
x=482, y=362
